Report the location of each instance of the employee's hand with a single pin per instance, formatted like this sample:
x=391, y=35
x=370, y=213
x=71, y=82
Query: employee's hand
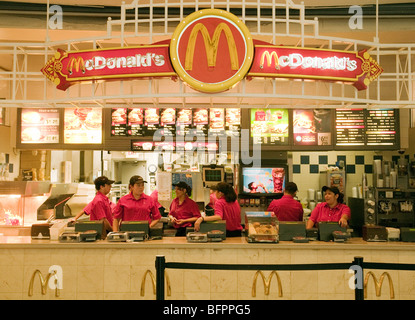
x=343, y=222
x=197, y=224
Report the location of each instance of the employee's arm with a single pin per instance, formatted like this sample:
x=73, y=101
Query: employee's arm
x=310, y=224
x=107, y=224
x=116, y=225
x=207, y=218
x=154, y=222
x=343, y=221
x=77, y=216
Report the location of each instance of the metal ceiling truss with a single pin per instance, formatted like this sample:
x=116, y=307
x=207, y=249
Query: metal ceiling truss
x=26, y=86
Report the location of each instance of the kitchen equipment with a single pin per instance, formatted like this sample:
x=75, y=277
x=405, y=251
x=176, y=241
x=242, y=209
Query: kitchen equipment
x=262, y=227
x=136, y=236
x=325, y=230
x=394, y=234
x=117, y=237
x=196, y=237
x=98, y=226
x=88, y=236
x=363, y=211
x=218, y=225
x=216, y=235
x=408, y=234
x=291, y=229
x=40, y=231
x=69, y=237
x=374, y=233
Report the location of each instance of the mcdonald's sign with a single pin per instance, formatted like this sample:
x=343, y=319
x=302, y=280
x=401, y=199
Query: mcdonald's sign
x=200, y=39
x=378, y=284
x=266, y=282
x=54, y=274
x=211, y=50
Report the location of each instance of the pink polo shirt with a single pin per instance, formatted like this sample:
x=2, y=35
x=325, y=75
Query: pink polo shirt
x=322, y=212
x=130, y=209
x=212, y=199
x=287, y=209
x=187, y=209
x=99, y=208
x=230, y=212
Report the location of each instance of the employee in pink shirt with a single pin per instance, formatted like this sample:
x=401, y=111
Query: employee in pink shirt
x=287, y=208
x=333, y=209
x=212, y=197
x=100, y=207
x=136, y=206
x=226, y=208
x=183, y=210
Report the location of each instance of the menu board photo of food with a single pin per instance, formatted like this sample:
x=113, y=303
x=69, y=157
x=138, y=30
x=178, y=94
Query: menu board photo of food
x=135, y=118
x=119, y=122
x=83, y=125
x=184, y=121
x=151, y=121
x=233, y=121
x=201, y=120
x=168, y=120
x=312, y=127
x=270, y=126
x=40, y=125
x=217, y=120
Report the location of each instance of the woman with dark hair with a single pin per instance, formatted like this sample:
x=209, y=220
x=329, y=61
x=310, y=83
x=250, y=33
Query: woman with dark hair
x=333, y=209
x=226, y=208
x=183, y=210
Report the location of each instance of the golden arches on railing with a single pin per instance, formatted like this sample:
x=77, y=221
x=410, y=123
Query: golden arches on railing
x=153, y=282
x=378, y=284
x=266, y=282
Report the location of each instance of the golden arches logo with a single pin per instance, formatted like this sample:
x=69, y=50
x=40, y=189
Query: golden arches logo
x=153, y=282
x=378, y=285
x=266, y=282
x=79, y=63
x=43, y=282
x=183, y=49
x=211, y=45
x=269, y=56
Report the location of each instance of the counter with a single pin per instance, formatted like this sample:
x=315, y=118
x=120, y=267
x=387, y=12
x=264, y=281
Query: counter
x=111, y=270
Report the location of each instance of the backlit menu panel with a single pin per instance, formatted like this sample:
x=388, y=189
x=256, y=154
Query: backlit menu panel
x=135, y=122
x=350, y=127
x=119, y=121
x=312, y=127
x=40, y=126
x=381, y=127
x=83, y=125
x=269, y=126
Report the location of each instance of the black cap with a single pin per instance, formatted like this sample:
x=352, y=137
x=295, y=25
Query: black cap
x=136, y=179
x=102, y=181
x=335, y=190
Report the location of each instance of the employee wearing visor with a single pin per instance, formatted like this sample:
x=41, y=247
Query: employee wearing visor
x=183, y=210
x=333, y=209
x=136, y=206
x=99, y=209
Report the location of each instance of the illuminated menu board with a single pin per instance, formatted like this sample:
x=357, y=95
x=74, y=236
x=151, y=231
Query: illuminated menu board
x=233, y=121
x=135, y=121
x=151, y=121
x=381, y=127
x=217, y=121
x=168, y=120
x=269, y=126
x=83, y=125
x=119, y=121
x=184, y=121
x=201, y=121
x=312, y=127
x=40, y=126
x=350, y=127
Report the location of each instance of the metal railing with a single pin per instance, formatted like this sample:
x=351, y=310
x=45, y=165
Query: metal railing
x=357, y=265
